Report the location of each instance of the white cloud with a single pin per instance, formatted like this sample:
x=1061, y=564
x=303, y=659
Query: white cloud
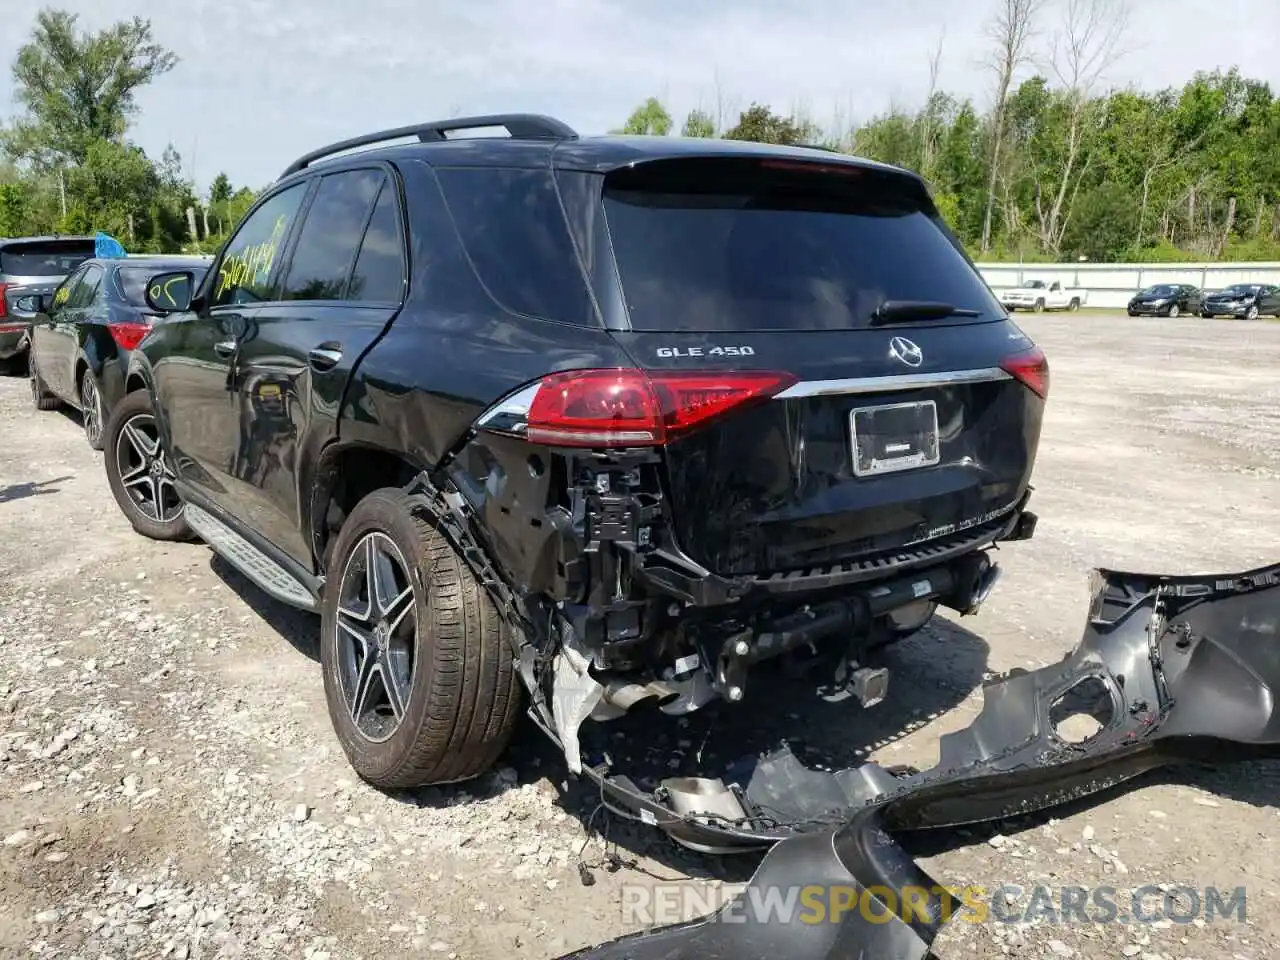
x=261, y=82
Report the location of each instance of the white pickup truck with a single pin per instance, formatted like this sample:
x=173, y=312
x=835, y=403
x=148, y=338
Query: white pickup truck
x=1039, y=296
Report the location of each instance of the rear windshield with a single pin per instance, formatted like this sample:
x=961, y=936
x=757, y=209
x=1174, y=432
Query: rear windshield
x=51, y=258
x=132, y=281
x=711, y=244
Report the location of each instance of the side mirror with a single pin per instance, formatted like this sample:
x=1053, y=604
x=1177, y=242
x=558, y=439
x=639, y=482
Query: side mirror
x=32, y=303
x=171, y=292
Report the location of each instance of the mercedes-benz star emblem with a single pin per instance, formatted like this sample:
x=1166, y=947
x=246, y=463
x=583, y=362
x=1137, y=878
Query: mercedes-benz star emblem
x=906, y=351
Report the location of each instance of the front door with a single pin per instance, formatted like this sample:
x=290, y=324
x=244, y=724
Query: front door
x=44, y=335
x=344, y=282
x=195, y=356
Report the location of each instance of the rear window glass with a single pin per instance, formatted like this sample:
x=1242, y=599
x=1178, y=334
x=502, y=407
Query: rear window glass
x=132, y=281
x=733, y=245
x=515, y=234
x=51, y=259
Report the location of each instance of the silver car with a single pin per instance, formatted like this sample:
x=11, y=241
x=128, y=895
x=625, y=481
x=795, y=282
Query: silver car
x=32, y=265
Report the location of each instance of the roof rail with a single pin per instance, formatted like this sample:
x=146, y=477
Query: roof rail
x=817, y=146
x=522, y=126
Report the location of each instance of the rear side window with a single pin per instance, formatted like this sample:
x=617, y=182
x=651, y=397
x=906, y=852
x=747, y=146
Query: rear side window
x=330, y=237
x=721, y=245
x=379, y=273
x=86, y=288
x=515, y=235
x=46, y=258
x=131, y=282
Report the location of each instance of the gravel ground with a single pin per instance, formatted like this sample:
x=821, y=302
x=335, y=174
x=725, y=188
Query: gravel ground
x=169, y=786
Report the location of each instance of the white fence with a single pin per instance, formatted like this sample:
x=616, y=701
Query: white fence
x=1112, y=284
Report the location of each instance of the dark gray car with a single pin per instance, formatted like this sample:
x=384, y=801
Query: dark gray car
x=32, y=265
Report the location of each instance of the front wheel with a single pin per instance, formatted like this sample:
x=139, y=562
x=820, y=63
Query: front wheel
x=1073, y=306
x=1039, y=307
x=1206, y=314
x=1174, y=312
x=139, y=473
x=419, y=675
x=1251, y=313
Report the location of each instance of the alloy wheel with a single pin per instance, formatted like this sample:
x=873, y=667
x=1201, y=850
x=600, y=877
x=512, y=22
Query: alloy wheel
x=1174, y=311
x=377, y=638
x=144, y=470
x=91, y=409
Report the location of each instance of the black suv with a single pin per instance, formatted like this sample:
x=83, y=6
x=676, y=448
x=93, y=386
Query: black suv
x=587, y=422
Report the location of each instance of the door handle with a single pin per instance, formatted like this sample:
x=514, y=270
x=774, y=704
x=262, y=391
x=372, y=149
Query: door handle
x=226, y=348
x=324, y=358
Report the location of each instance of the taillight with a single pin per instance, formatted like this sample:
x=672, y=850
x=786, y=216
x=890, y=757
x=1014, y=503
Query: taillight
x=630, y=408
x=4, y=309
x=128, y=335
x=1031, y=368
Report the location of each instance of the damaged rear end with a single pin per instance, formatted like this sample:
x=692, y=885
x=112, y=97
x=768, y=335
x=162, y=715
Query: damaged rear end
x=825, y=425
x=1169, y=670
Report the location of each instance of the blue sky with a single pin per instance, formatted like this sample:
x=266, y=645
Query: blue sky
x=262, y=82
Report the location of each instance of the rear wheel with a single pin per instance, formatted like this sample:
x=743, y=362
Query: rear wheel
x=1206, y=314
x=91, y=409
x=139, y=474
x=1039, y=307
x=419, y=675
x=40, y=395
x=1074, y=305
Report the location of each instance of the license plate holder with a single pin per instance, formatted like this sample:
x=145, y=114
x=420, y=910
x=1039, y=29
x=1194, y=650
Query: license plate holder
x=893, y=437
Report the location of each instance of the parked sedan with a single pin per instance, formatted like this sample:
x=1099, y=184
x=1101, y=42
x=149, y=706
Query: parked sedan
x=83, y=332
x=1166, y=300
x=32, y=265
x=1247, y=300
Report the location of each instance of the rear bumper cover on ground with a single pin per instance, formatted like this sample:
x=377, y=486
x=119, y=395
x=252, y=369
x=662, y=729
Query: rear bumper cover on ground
x=1172, y=668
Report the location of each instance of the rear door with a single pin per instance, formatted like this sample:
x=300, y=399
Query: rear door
x=344, y=282
x=64, y=339
x=44, y=345
x=890, y=433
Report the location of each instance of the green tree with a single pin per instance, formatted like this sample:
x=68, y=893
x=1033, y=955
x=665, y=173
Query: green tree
x=699, y=123
x=762, y=125
x=650, y=118
x=79, y=88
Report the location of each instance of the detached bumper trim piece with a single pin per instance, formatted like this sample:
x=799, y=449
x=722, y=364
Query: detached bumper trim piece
x=1170, y=669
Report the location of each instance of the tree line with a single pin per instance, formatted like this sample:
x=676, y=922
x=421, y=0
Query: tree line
x=66, y=163
x=1058, y=166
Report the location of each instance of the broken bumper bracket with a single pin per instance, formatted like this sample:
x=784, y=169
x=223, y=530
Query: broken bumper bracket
x=1170, y=670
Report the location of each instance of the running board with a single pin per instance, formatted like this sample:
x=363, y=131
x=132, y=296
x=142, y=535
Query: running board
x=249, y=560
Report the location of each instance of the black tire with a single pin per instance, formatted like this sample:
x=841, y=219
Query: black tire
x=1206, y=315
x=1074, y=305
x=460, y=695
x=130, y=485
x=1174, y=312
x=91, y=415
x=1251, y=313
x=40, y=395
x=1039, y=307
